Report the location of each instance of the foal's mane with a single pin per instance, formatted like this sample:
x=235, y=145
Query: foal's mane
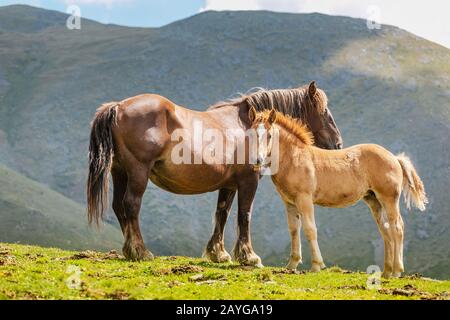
x=294, y=102
x=296, y=131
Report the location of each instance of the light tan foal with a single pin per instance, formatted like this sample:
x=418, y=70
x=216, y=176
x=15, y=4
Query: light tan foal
x=339, y=178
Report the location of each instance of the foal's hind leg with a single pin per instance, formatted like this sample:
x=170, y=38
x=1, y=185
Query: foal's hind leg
x=134, y=248
x=396, y=229
x=215, y=250
x=294, y=224
x=378, y=211
x=305, y=206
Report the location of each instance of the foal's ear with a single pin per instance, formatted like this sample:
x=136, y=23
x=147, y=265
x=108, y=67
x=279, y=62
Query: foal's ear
x=312, y=89
x=272, y=116
x=252, y=114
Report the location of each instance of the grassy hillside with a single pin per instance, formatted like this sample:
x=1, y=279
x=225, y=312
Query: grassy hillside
x=33, y=214
x=385, y=86
x=36, y=273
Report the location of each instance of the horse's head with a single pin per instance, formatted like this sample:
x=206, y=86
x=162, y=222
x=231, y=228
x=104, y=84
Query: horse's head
x=262, y=123
x=320, y=120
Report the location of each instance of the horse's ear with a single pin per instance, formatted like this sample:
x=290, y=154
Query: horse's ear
x=252, y=114
x=272, y=116
x=312, y=89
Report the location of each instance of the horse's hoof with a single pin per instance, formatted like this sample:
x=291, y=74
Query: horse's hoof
x=221, y=257
x=138, y=253
x=148, y=256
x=225, y=257
x=396, y=274
x=253, y=260
x=292, y=265
x=316, y=267
x=386, y=275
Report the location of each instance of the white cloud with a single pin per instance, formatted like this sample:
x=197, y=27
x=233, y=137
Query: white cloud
x=428, y=19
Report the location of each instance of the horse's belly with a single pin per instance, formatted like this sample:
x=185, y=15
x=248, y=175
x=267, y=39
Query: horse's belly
x=339, y=198
x=189, y=179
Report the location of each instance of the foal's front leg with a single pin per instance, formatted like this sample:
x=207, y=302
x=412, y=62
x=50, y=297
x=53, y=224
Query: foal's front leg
x=294, y=224
x=305, y=206
x=215, y=250
x=243, y=250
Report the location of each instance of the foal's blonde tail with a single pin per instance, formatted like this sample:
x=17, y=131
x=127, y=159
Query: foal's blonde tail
x=413, y=188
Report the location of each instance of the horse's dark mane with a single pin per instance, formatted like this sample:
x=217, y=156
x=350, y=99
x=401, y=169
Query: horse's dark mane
x=296, y=131
x=293, y=102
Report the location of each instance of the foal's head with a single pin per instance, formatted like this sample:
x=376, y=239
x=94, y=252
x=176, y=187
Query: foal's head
x=262, y=123
x=320, y=120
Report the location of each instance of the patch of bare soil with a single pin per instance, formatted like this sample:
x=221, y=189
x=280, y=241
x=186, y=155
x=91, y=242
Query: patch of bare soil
x=186, y=269
x=174, y=283
x=118, y=295
x=289, y=271
x=409, y=291
x=7, y=259
x=413, y=276
x=201, y=279
x=94, y=255
x=353, y=287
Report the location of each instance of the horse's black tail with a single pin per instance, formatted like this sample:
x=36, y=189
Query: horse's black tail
x=101, y=151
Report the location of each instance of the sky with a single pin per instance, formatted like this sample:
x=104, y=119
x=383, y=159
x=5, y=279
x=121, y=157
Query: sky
x=429, y=19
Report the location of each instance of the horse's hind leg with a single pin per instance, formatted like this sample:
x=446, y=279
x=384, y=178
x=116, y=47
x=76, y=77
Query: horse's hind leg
x=120, y=180
x=215, y=250
x=134, y=248
x=305, y=206
x=294, y=224
x=378, y=214
x=396, y=228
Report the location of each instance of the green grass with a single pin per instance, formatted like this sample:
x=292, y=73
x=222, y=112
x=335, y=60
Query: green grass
x=28, y=272
x=384, y=86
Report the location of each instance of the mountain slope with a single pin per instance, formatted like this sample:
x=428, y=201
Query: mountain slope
x=385, y=86
x=31, y=213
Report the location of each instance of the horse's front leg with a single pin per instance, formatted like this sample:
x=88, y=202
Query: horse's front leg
x=305, y=206
x=294, y=224
x=215, y=250
x=243, y=250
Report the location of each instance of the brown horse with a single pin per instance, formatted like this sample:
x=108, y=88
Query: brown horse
x=136, y=140
x=339, y=178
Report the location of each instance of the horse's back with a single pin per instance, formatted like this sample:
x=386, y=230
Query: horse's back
x=144, y=104
x=143, y=124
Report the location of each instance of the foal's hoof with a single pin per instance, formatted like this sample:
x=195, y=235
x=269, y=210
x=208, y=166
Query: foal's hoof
x=386, y=275
x=293, y=265
x=316, y=267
